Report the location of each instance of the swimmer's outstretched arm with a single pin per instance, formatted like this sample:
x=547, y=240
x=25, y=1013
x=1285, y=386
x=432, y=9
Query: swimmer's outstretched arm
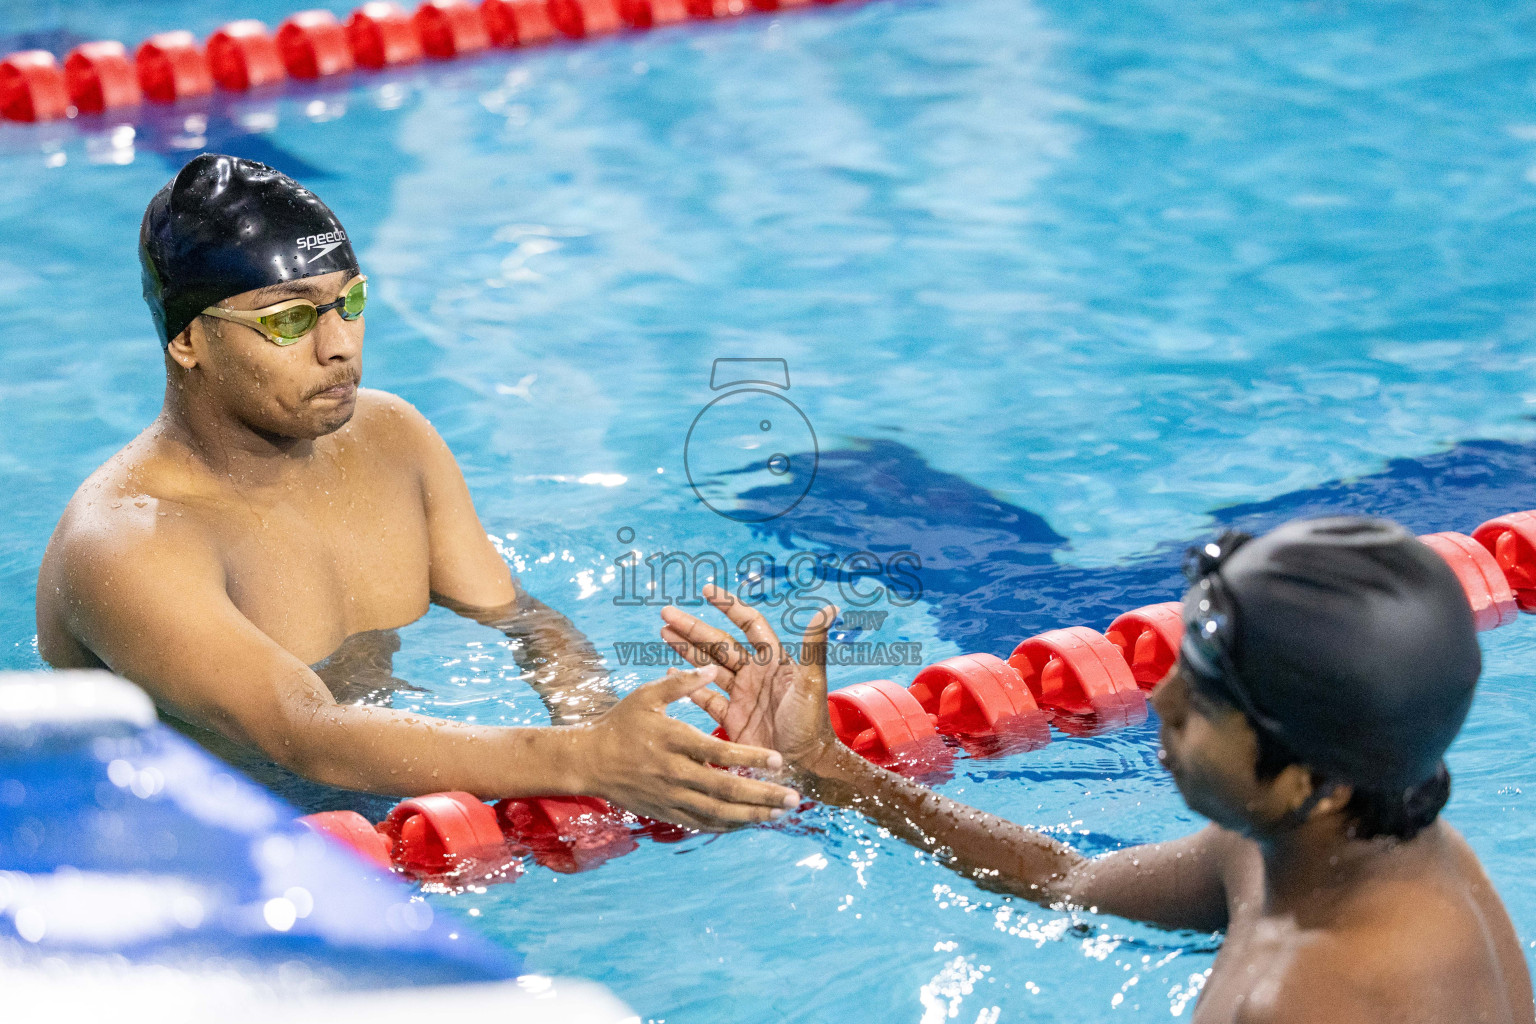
x=563, y=667
x=149, y=598
x=774, y=701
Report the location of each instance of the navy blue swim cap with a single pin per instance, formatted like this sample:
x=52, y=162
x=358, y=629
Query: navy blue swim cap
x=1346, y=639
x=224, y=226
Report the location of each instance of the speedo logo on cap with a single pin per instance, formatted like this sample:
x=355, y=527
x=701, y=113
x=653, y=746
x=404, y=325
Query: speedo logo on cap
x=324, y=243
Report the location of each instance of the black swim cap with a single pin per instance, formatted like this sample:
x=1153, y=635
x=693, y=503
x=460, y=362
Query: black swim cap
x=1346, y=639
x=224, y=226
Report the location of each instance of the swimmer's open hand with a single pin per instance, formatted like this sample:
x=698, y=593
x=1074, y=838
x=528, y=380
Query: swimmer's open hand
x=770, y=699
x=635, y=756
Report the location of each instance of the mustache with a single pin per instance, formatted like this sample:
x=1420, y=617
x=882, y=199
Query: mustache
x=353, y=379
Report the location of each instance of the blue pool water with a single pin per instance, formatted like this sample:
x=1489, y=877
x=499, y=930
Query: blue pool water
x=1059, y=287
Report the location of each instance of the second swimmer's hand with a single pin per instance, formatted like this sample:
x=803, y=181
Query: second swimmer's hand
x=638, y=757
x=770, y=697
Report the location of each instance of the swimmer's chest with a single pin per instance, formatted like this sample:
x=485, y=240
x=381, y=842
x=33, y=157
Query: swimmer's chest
x=1247, y=979
x=316, y=565
x=1273, y=968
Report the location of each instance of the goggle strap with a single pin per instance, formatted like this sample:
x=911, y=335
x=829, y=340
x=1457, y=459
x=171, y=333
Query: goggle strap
x=255, y=318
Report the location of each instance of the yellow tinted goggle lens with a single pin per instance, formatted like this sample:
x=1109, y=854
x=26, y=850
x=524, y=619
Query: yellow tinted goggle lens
x=292, y=323
x=357, y=298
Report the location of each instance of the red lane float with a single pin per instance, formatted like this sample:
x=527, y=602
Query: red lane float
x=566, y=833
x=1511, y=539
x=171, y=68
x=351, y=830
x=1148, y=639
x=441, y=832
x=645, y=14
x=660, y=831
x=100, y=77
x=517, y=22
x=381, y=35
x=1081, y=678
x=449, y=28
x=581, y=18
x=1489, y=593
x=980, y=697
x=32, y=87
x=709, y=9
x=314, y=45
x=883, y=722
x=243, y=55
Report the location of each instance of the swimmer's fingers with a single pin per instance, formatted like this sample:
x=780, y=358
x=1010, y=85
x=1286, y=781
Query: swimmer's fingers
x=738, y=789
x=746, y=618
x=720, y=816
x=682, y=804
x=813, y=647
x=715, y=705
x=718, y=646
x=709, y=750
x=702, y=656
x=673, y=686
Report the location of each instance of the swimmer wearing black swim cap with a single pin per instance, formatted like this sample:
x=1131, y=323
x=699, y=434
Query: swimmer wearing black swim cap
x=1326, y=668
x=241, y=266
x=276, y=516
x=224, y=226
x=1350, y=648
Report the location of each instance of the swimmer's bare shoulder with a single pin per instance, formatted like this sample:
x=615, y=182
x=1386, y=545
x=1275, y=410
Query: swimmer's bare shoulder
x=133, y=508
x=154, y=508
x=1424, y=944
x=465, y=566
x=151, y=503
x=388, y=425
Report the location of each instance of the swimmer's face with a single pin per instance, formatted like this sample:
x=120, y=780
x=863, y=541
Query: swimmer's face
x=1212, y=752
x=304, y=390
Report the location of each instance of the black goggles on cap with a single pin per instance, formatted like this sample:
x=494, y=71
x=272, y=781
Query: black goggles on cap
x=1211, y=627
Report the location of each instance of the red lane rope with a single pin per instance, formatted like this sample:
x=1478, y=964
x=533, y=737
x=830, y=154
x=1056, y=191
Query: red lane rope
x=99, y=76
x=1082, y=681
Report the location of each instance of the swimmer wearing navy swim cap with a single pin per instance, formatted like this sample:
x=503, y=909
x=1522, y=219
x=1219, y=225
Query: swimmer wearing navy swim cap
x=276, y=516
x=1325, y=669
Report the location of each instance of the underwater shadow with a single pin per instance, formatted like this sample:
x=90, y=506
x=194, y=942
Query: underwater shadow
x=990, y=569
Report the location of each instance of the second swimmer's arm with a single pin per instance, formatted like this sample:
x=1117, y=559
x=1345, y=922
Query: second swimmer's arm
x=995, y=852
x=774, y=700
x=1177, y=884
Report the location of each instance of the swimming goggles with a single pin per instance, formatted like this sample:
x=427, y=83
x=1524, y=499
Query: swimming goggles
x=1210, y=635
x=1211, y=624
x=284, y=323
